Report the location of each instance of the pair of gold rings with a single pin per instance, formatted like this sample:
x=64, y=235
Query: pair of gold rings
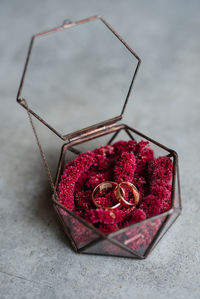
x=119, y=193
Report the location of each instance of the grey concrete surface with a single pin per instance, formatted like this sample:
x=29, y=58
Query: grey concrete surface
x=35, y=258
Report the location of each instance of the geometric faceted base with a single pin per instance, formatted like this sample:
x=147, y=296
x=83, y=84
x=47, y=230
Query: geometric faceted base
x=135, y=241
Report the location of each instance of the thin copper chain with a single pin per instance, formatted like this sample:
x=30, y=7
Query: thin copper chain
x=40, y=148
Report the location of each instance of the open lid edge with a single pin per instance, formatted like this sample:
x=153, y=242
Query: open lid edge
x=95, y=127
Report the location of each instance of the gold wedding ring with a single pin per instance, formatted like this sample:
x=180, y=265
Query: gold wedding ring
x=119, y=193
x=99, y=188
x=135, y=194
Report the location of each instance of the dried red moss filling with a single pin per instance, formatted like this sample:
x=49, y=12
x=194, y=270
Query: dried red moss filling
x=123, y=161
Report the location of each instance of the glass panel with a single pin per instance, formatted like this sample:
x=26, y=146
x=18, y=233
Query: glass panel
x=138, y=238
x=107, y=248
x=81, y=234
x=158, y=151
x=169, y=221
x=177, y=200
x=75, y=74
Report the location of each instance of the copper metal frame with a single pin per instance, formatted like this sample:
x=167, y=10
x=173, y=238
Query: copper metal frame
x=95, y=127
x=95, y=131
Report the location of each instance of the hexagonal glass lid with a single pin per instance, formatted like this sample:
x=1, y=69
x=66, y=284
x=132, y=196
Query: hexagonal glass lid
x=78, y=75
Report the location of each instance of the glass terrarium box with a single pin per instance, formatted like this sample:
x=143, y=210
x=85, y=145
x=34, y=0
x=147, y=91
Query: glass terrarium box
x=116, y=191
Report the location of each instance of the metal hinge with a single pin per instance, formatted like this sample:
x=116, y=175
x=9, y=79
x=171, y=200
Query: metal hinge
x=95, y=132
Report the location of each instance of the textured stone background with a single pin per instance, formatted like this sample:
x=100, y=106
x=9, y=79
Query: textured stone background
x=35, y=258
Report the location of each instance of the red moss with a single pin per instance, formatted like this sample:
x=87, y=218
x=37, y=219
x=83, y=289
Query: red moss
x=71, y=175
x=125, y=168
x=160, y=169
x=104, y=216
x=108, y=228
x=123, y=161
x=133, y=217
